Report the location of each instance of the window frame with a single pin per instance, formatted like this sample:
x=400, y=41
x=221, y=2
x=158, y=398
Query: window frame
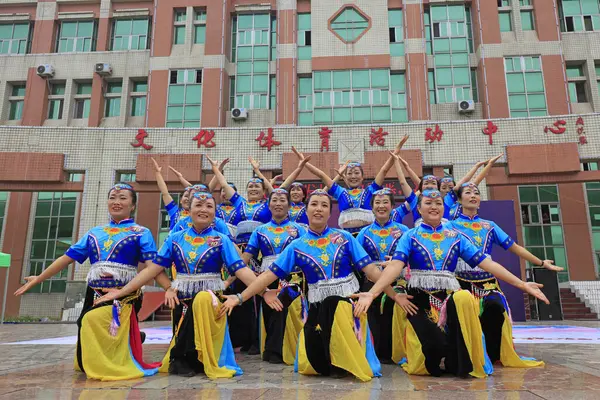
x=16, y=102
x=131, y=35
x=76, y=39
x=523, y=71
x=182, y=123
x=12, y=39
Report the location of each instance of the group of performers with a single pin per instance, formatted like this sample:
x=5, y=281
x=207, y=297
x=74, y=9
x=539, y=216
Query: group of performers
x=268, y=275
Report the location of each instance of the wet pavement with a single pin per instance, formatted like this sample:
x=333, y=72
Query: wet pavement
x=572, y=371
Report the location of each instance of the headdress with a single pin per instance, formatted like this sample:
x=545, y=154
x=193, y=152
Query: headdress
x=432, y=194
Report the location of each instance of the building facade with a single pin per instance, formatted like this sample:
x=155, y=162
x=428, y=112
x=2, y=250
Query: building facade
x=90, y=90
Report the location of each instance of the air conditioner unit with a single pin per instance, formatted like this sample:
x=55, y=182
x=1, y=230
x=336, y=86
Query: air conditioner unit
x=45, y=70
x=239, y=114
x=466, y=106
x=103, y=69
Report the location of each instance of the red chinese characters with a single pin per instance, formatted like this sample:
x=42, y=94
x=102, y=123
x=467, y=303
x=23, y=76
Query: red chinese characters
x=490, y=130
x=267, y=140
x=558, y=129
x=325, y=135
x=140, y=137
x=581, y=131
x=432, y=135
x=205, y=138
x=377, y=137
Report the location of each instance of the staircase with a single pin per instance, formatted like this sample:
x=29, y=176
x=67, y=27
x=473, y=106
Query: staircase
x=162, y=314
x=573, y=307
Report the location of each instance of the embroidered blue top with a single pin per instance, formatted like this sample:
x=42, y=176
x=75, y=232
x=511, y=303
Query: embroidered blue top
x=248, y=211
x=410, y=204
x=380, y=240
x=175, y=214
x=114, y=250
x=198, y=259
x=186, y=223
x=483, y=234
x=298, y=213
x=327, y=260
x=225, y=212
x=451, y=207
x=433, y=254
x=353, y=198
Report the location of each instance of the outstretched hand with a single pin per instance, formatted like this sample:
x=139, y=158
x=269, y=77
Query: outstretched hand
x=175, y=172
x=255, y=164
x=31, y=281
x=534, y=289
x=111, y=294
x=212, y=162
x=157, y=168
x=270, y=297
x=403, y=300
x=363, y=303
x=223, y=164
x=549, y=265
x=494, y=159
x=171, y=299
x=227, y=307
x=400, y=144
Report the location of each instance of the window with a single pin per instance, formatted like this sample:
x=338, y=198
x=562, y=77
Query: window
x=505, y=21
x=503, y=3
x=398, y=86
x=579, y=15
x=590, y=166
x=233, y=39
x=273, y=37
x=451, y=53
x=199, y=26
x=474, y=85
x=112, y=99
x=305, y=101
x=130, y=34
x=164, y=230
x=577, y=83
x=525, y=2
x=3, y=201
x=542, y=225
x=125, y=176
x=304, y=37
x=185, y=99
x=56, y=100
x=180, y=17
x=527, y=20
x=138, y=98
x=76, y=36
x=253, y=54
x=273, y=93
x=53, y=228
x=427, y=25
x=352, y=96
x=14, y=38
x=593, y=199
x=231, y=92
x=16, y=102
x=75, y=176
x=396, y=32
x=350, y=24
x=526, y=95
x=83, y=99
x=431, y=85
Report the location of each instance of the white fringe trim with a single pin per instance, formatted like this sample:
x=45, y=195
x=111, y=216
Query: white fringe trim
x=267, y=262
x=232, y=229
x=342, y=287
x=247, y=227
x=463, y=268
x=190, y=284
x=120, y=272
x=356, y=214
x=428, y=279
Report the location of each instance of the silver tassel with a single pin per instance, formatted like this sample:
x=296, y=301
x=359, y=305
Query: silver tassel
x=119, y=272
x=429, y=279
x=190, y=284
x=342, y=287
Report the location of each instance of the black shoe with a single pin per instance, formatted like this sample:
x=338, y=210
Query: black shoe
x=143, y=336
x=275, y=359
x=253, y=350
x=338, y=373
x=181, y=369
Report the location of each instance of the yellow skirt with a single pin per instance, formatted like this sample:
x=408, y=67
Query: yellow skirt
x=283, y=336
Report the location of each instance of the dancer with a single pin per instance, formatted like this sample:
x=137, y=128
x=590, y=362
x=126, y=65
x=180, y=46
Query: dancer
x=379, y=240
x=495, y=316
x=280, y=323
x=201, y=342
x=433, y=249
x=109, y=345
x=225, y=210
x=297, y=191
x=354, y=203
x=332, y=341
x=175, y=213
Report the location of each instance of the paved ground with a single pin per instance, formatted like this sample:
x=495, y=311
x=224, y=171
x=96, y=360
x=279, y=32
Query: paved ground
x=45, y=372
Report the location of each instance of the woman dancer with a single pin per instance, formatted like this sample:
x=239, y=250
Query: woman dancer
x=332, y=341
x=433, y=249
x=279, y=326
x=175, y=213
x=495, y=316
x=108, y=339
x=201, y=343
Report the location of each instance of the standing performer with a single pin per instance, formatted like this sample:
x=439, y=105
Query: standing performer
x=433, y=249
x=495, y=315
x=201, y=342
x=297, y=192
x=279, y=325
x=175, y=213
x=109, y=346
x=332, y=341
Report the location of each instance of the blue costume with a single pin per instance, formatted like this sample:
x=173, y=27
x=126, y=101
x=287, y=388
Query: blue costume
x=114, y=249
x=248, y=216
x=225, y=212
x=380, y=240
x=298, y=213
x=354, y=204
x=175, y=214
x=186, y=223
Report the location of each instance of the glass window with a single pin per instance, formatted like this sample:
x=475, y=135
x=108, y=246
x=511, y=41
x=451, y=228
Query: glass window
x=184, y=99
x=305, y=101
x=526, y=94
x=396, y=23
x=579, y=15
x=349, y=24
x=56, y=101
x=53, y=230
x=398, y=89
x=112, y=99
x=16, y=102
x=76, y=36
x=505, y=21
x=14, y=38
x=130, y=34
x=138, y=98
x=527, y=23
x=125, y=176
x=179, y=19
x=304, y=37
x=199, y=26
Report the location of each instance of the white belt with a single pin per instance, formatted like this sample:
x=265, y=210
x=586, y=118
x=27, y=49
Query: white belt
x=247, y=227
x=119, y=272
x=356, y=214
x=267, y=262
x=190, y=284
x=431, y=279
x=342, y=287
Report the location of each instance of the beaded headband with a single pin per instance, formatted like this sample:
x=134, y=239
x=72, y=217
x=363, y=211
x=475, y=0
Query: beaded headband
x=320, y=192
x=203, y=196
x=354, y=165
x=383, y=192
x=430, y=178
x=199, y=187
x=280, y=191
x=470, y=185
x=432, y=194
x=255, y=180
x=297, y=184
x=121, y=186
x=447, y=179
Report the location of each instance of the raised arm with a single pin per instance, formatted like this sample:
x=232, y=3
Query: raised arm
x=185, y=183
x=229, y=192
x=213, y=182
x=327, y=181
x=58, y=265
x=162, y=186
x=412, y=174
x=380, y=177
x=302, y=160
x=406, y=189
x=486, y=170
x=526, y=255
x=256, y=168
x=469, y=175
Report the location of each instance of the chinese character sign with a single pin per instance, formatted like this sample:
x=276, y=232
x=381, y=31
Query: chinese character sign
x=377, y=137
x=267, y=140
x=490, y=130
x=139, y=140
x=581, y=131
x=432, y=135
x=325, y=135
x=205, y=138
x=558, y=127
